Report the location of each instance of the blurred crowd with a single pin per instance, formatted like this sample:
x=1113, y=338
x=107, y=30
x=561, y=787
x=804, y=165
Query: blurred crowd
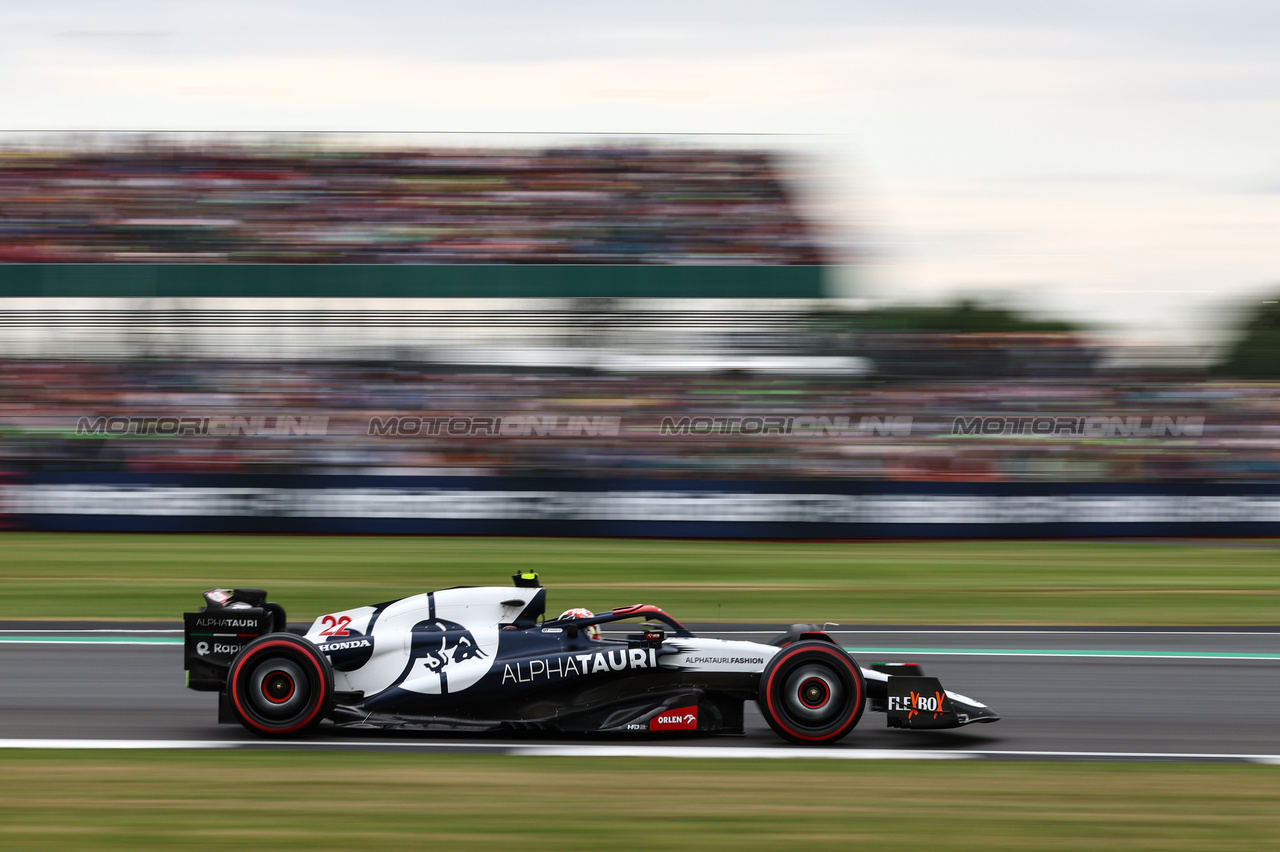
x=166, y=202
x=42, y=402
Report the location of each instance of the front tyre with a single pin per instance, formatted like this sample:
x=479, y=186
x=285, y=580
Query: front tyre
x=812, y=693
x=280, y=685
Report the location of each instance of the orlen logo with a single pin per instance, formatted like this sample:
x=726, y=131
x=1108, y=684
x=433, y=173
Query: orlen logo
x=918, y=702
x=677, y=719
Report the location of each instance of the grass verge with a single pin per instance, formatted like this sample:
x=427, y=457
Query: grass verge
x=275, y=800
x=93, y=576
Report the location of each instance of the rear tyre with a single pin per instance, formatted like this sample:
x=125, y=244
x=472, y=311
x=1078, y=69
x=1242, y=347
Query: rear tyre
x=280, y=685
x=812, y=693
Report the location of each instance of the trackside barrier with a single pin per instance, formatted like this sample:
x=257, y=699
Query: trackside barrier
x=660, y=508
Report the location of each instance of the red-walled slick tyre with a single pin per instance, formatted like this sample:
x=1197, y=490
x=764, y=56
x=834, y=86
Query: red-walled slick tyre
x=280, y=685
x=812, y=693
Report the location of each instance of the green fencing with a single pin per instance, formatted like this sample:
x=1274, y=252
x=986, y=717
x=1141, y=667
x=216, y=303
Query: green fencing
x=521, y=281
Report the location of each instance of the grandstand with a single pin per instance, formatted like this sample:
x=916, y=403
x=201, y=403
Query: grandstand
x=179, y=309
x=128, y=246
x=149, y=201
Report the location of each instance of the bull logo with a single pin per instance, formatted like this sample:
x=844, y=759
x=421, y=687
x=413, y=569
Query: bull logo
x=439, y=643
x=439, y=649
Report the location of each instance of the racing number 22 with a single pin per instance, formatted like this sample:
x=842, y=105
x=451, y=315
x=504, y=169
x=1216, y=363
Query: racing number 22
x=335, y=626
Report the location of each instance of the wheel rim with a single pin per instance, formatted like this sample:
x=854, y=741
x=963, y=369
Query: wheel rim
x=278, y=689
x=278, y=686
x=813, y=695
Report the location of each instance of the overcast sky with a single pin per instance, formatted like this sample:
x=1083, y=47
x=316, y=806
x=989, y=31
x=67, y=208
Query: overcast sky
x=1119, y=158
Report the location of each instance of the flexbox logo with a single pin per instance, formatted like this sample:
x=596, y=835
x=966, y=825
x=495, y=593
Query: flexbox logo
x=917, y=702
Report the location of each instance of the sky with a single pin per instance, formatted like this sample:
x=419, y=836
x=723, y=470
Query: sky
x=1114, y=161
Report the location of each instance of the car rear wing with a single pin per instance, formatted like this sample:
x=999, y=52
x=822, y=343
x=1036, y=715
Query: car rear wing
x=230, y=619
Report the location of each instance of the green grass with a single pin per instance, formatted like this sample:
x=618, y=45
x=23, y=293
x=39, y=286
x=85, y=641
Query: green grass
x=92, y=576
x=318, y=800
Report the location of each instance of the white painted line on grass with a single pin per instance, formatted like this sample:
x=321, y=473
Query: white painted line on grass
x=1172, y=756
x=739, y=752
x=125, y=745
x=121, y=745
x=874, y=754
x=645, y=751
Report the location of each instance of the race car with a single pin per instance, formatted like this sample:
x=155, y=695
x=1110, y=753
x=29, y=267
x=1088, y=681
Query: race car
x=487, y=659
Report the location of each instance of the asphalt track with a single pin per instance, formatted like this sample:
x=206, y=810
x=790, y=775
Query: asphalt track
x=1208, y=694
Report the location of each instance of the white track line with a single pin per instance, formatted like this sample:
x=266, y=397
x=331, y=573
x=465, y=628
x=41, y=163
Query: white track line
x=869, y=754
x=643, y=751
x=739, y=752
x=123, y=745
x=293, y=745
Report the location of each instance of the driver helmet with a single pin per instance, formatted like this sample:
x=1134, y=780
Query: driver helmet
x=593, y=632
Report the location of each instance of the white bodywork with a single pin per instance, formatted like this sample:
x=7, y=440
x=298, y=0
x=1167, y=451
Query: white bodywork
x=716, y=655
x=478, y=609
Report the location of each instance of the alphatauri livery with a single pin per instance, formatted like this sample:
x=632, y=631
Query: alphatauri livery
x=486, y=658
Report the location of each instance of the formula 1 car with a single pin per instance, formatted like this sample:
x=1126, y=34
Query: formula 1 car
x=486, y=659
